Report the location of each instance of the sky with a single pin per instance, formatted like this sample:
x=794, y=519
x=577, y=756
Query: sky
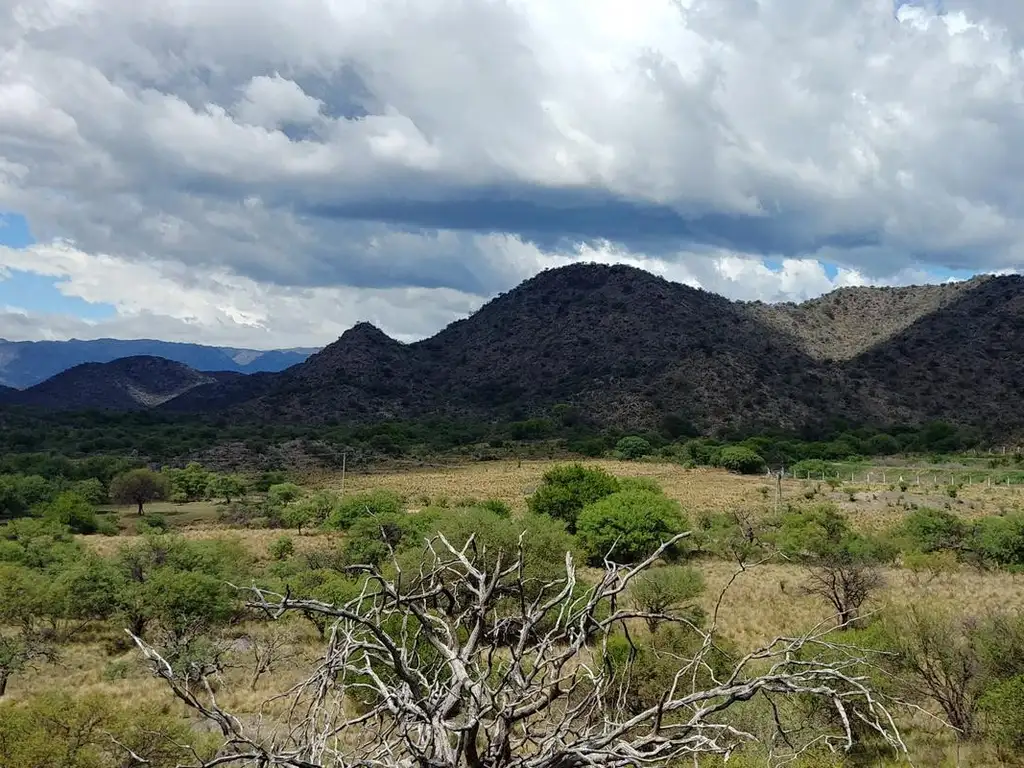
x=267, y=174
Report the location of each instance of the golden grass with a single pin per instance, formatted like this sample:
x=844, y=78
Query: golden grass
x=762, y=603
x=767, y=601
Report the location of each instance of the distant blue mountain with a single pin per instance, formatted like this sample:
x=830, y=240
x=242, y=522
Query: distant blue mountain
x=26, y=363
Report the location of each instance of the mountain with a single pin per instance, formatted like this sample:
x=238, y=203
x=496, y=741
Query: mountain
x=25, y=363
x=848, y=321
x=620, y=346
x=131, y=383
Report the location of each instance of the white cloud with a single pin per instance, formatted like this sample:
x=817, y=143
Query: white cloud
x=263, y=154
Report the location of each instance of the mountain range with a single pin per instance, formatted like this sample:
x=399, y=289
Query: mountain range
x=26, y=363
x=623, y=347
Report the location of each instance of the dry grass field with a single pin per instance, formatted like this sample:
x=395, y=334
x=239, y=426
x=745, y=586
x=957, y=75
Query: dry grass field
x=761, y=603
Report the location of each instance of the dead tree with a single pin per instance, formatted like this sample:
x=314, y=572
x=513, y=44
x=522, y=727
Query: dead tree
x=412, y=676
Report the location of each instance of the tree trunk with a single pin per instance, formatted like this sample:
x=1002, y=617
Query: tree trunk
x=141, y=503
x=4, y=676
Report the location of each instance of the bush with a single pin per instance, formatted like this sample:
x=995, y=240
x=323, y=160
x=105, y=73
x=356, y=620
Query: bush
x=191, y=483
x=930, y=530
x=370, y=504
x=311, y=511
x=74, y=511
x=567, y=489
x=154, y=522
x=1003, y=708
x=741, y=460
x=667, y=591
x=282, y=548
x=497, y=506
x=227, y=487
x=545, y=541
x=629, y=525
x=633, y=447
x=999, y=540
x=283, y=493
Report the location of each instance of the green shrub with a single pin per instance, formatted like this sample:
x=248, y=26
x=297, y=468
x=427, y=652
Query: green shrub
x=369, y=504
x=629, y=525
x=1003, y=710
x=94, y=730
x=153, y=522
x=191, y=483
x=74, y=511
x=669, y=590
x=633, y=447
x=282, y=548
x=545, y=541
x=267, y=480
x=737, y=458
x=311, y=511
x=227, y=487
x=565, y=490
x=930, y=530
x=497, y=506
x=999, y=540
x=283, y=493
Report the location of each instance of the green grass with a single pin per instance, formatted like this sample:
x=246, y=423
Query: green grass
x=178, y=515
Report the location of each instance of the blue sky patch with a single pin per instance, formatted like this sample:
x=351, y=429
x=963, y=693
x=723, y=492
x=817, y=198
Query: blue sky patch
x=39, y=293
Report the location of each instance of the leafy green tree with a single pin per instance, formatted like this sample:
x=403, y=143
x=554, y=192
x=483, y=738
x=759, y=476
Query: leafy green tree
x=565, y=490
x=842, y=565
x=931, y=530
x=191, y=483
x=73, y=510
x=88, y=589
x=139, y=487
x=311, y=511
x=91, y=489
x=371, y=540
x=1003, y=708
x=150, y=568
x=633, y=447
x=12, y=501
x=36, y=543
x=369, y=504
x=740, y=459
x=999, y=540
x=265, y=480
x=25, y=602
x=186, y=604
x=951, y=660
x=627, y=526
x=227, y=487
x=284, y=493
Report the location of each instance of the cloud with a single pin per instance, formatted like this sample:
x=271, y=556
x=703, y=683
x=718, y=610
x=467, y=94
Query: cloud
x=168, y=300
x=371, y=152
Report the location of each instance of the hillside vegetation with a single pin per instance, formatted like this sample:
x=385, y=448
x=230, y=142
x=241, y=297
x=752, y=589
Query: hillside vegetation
x=627, y=349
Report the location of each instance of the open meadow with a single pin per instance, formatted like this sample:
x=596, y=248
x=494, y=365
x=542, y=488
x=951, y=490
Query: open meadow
x=753, y=597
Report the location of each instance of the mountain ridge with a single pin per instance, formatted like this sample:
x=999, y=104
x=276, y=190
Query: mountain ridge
x=620, y=346
x=26, y=363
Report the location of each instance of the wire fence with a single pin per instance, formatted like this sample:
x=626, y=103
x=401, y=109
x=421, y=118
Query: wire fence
x=909, y=477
